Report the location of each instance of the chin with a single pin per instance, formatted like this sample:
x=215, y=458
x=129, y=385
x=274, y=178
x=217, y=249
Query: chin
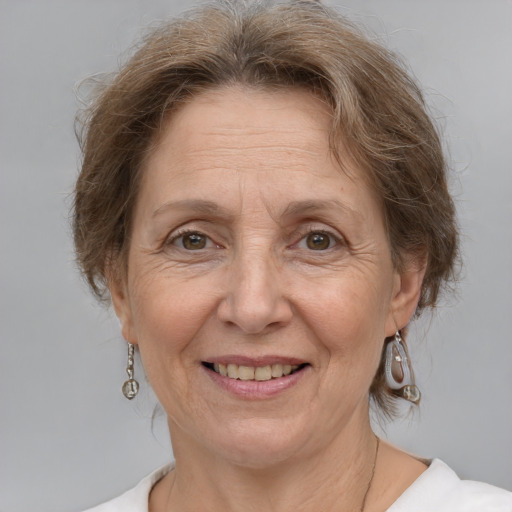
x=260, y=443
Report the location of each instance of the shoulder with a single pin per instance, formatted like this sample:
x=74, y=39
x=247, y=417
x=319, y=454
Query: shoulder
x=440, y=489
x=136, y=499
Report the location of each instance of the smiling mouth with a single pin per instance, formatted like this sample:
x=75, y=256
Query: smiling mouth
x=256, y=373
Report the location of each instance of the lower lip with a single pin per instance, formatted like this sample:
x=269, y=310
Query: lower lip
x=257, y=389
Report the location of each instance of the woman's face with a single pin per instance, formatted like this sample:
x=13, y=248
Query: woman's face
x=254, y=254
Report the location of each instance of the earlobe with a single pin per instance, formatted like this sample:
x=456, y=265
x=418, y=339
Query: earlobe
x=406, y=295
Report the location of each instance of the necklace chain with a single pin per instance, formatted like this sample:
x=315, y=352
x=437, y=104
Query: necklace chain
x=363, y=504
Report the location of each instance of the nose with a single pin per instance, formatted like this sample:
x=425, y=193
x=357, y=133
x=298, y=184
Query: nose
x=254, y=300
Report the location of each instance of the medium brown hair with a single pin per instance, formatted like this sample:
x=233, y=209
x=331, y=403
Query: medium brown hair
x=378, y=113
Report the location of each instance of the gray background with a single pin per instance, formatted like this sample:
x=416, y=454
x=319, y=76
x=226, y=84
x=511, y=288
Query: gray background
x=68, y=439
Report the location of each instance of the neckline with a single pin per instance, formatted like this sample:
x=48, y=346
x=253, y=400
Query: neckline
x=434, y=468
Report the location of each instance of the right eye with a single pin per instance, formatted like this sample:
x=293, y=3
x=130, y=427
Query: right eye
x=192, y=241
x=319, y=241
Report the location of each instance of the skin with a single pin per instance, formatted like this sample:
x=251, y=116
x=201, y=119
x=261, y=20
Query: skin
x=249, y=173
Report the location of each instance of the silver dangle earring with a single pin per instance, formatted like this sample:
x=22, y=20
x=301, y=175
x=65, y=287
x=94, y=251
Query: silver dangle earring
x=131, y=386
x=398, y=371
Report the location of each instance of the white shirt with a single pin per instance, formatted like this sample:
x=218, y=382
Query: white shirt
x=438, y=489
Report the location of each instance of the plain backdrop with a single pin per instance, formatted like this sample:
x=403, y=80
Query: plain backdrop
x=68, y=438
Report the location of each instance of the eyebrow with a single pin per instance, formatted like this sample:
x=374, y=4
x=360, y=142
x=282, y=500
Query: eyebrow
x=294, y=209
x=297, y=208
x=197, y=205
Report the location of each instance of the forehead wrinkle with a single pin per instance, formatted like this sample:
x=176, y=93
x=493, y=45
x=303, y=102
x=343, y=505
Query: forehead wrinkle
x=248, y=136
x=235, y=150
x=229, y=146
x=247, y=206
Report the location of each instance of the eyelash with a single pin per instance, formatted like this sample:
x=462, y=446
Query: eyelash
x=189, y=232
x=334, y=239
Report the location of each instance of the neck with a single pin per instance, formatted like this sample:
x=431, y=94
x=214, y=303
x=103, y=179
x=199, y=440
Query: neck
x=334, y=478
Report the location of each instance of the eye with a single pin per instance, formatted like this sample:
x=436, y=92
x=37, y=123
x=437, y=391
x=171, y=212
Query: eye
x=318, y=241
x=192, y=241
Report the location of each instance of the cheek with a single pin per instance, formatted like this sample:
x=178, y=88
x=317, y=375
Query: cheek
x=349, y=305
x=348, y=319
x=166, y=320
x=168, y=309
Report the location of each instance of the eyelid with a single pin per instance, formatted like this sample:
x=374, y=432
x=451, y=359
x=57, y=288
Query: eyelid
x=304, y=231
x=181, y=232
x=333, y=242
x=299, y=235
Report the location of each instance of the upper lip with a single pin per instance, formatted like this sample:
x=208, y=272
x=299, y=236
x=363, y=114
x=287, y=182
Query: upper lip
x=268, y=360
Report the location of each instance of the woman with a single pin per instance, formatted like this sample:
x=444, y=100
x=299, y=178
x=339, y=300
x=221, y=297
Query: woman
x=264, y=199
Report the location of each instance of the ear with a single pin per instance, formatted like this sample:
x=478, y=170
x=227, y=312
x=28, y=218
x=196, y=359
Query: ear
x=122, y=307
x=406, y=294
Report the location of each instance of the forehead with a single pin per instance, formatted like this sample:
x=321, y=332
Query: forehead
x=251, y=139
x=244, y=117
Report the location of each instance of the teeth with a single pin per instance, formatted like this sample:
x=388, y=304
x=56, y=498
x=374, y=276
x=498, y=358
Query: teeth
x=245, y=373
x=277, y=370
x=259, y=373
x=233, y=371
x=263, y=373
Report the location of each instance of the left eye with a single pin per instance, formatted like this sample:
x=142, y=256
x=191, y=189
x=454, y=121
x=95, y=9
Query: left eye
x=318, y=241
x=192, y=241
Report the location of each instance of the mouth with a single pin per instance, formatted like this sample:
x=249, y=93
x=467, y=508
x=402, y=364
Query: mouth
x=254, y=373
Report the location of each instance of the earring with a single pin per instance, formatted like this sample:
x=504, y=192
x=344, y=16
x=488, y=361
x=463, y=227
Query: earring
x=131, y=386
x=398, y=370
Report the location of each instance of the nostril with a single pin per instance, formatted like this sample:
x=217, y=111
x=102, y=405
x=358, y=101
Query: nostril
x=254, y=310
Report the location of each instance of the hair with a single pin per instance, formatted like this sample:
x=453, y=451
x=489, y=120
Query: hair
x=378, y=113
